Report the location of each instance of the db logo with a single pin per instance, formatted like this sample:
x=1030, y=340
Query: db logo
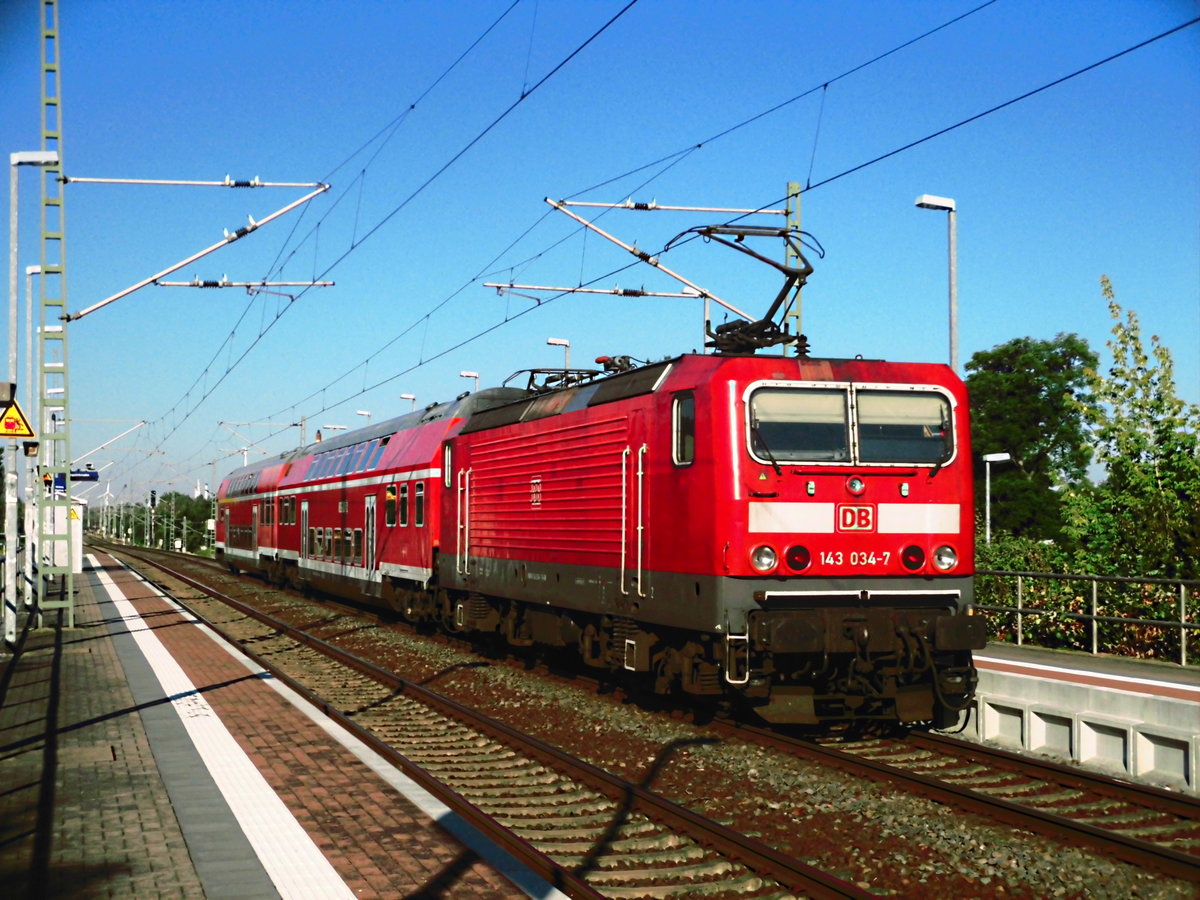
x=855, y=518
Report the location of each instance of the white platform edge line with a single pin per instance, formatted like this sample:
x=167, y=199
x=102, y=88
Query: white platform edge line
x=295, y=864
x=522, y=877
x=1116, y=680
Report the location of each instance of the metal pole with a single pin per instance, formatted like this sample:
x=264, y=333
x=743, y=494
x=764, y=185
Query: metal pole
x=987, y=501
x=953, y=289
x=10, y=446
x=947, y=204
x=31, y=494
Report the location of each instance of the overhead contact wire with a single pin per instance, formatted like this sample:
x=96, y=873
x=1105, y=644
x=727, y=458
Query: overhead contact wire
x=420, y=189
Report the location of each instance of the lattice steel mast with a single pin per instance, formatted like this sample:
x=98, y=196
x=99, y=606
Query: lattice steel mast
x=55, y=553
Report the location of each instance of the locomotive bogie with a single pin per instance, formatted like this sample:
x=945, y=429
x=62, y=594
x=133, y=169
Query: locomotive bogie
x=795, y=532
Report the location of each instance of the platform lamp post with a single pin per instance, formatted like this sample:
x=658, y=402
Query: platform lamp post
x=928, y=201
x=32, y=502
x=412, y=397
x=364, y=412
x=40, y=158
x=566, y=345
x=474, y=375
x=988, y=459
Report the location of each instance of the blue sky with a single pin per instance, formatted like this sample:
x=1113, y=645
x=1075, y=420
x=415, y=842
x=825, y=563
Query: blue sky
x=1099, y=175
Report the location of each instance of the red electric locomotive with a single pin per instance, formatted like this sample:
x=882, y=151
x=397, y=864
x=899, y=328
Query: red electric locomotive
x=797, y=531
x=792, y=531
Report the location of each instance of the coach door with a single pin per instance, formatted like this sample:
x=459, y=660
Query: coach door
x=304, y=539
x=369, y=535
x=254, y=527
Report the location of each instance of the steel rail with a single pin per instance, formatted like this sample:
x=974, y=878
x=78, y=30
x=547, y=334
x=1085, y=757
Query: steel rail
x=1182, y=805
x=764, y=860
x=1133, y=850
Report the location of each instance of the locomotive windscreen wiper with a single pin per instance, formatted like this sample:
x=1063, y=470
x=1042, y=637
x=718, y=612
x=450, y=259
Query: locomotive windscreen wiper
x=760, y=442
x=947, y=446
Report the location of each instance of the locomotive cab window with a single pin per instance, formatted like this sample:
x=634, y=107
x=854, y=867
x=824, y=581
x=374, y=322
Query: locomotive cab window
x=833, y=424
x=683, y=427
x=895, y=426
x=809, y=425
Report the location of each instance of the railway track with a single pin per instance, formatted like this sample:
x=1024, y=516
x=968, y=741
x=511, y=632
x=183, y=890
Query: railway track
x=1154, y=830
x=1142, y=825
x=585, y=830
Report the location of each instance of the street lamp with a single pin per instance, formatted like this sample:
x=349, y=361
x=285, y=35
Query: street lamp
x=928, y=201
x=566, y=345
x=41, y=158
x=364, y=412
x=988, y=459
x=474, y=375
x=412, y=397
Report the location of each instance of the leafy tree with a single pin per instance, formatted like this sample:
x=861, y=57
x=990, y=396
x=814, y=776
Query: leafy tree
x=1027, y=397
x=1143, y=519
x=182, y=517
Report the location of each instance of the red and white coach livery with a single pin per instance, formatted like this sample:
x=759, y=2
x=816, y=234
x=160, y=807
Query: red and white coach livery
x=794, y=531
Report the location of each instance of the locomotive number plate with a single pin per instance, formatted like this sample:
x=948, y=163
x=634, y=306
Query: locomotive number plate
x=855, y=517
x=855, y=557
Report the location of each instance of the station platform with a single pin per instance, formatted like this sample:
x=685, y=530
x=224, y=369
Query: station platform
x=1132, y=717
x=141, y=755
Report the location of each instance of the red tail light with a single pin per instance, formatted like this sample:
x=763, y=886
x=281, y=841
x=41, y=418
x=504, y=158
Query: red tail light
x=798, y=558
x=913, y=557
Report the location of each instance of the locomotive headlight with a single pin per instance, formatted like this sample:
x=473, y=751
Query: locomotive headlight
x=764, y=558
x=913, y=557
x=856, y=485
x=944, y=557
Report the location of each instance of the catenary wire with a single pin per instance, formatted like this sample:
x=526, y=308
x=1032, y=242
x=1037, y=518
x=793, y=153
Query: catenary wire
x=853, y=169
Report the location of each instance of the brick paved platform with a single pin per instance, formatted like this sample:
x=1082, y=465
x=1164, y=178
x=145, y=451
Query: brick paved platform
x=141, y=756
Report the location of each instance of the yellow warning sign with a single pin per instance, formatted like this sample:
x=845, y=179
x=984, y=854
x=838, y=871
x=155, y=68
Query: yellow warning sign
x=13, y=423
x=73, y=514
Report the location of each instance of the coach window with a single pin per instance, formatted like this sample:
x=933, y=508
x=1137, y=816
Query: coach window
x=356, y=549
x=312, y=543
x=404, y=504
x=336, y=552
x=683, y=424
x=377, y=453
x=389, y=505
x=419, y=504
x=327, y=547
